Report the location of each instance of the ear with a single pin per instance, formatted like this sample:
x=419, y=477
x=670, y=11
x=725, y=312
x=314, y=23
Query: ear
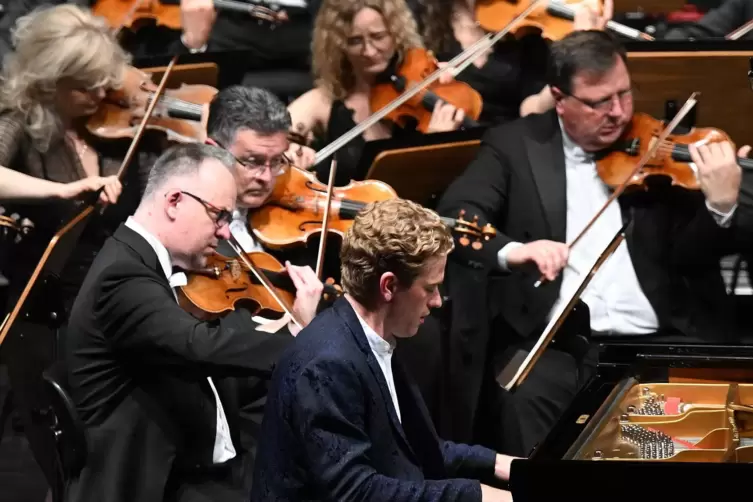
x=558, y=96
x=172, y=199
x=210, y=141
x=388, y=285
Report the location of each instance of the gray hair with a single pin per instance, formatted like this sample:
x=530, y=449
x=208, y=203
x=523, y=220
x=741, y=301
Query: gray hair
x=183, y=160
x=238, y=107
x=50, y=44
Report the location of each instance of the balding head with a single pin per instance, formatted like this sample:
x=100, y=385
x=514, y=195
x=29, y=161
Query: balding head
x=188, y=200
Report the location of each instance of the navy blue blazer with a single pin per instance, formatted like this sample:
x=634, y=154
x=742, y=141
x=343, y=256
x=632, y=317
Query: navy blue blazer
x=331, y=432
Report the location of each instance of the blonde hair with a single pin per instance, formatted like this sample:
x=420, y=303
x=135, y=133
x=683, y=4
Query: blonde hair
x=52, y=43
x=332, y=70
x=395, y=235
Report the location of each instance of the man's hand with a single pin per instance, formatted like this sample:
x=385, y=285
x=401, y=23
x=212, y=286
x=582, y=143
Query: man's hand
x=550, y=257
x=109, y=195
x=718, y=173
x=587, y=16
x=308, y=293
x=502, y=466
x=197, y=18
x=302, y=156
x=445, y=117
x=489, y=494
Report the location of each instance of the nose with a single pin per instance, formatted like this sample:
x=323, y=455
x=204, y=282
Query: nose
x=100, y=93
x=264, y=174
x=223, y=231
x=617, y=109
x=436, y=300
x=369, y=49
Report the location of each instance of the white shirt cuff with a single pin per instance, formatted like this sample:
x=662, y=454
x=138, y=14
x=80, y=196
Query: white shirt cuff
x=502, y=254
x=203, y=48
x=722, y=219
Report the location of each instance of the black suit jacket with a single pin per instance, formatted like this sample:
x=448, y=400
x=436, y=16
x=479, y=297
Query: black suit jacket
x=138, y=367
x=517, y=183
x=331, y=432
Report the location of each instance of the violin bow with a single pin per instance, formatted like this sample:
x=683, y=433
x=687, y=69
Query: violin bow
x=325, y=220
x=263, y=279
x=740, y=32
x=415, y=89
x=689, y=104
x=78, y=221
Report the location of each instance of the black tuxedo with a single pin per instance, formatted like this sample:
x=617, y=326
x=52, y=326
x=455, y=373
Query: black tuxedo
x=518, y=184
x=138, y=367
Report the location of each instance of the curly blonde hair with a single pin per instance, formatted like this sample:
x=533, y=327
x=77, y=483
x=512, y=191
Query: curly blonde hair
x=332, y=71
x=394, y=235
x=53, y=43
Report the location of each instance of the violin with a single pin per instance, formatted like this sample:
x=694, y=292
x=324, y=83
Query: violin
x=226, y=282
x=670, y=161
x=295, y=209
x=179, y=113
x=553, y=19
x=132, y=14
x=416, y=65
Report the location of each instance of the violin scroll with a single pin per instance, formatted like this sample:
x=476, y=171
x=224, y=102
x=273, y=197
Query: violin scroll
x=472, y=230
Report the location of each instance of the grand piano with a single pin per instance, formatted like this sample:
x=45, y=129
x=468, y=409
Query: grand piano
x=657, y=422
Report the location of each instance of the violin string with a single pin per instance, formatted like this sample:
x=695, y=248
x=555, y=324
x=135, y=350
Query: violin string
x=408, y=94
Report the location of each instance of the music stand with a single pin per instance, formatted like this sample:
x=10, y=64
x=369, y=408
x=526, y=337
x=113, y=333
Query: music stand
x=522, y=362
x=422, y=171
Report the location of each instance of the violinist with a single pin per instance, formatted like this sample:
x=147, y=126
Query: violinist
x=536, y=181
x=509, y=74
x=144, y=374
x=252, y=124
x=285, y=45
x=354, y=43
x=64, y=62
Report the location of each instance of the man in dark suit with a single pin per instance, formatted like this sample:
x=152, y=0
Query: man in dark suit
x=536, y=181
x=343, y=420
x=141, y=369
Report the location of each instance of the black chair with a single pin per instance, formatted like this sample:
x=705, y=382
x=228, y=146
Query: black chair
x=67, y=429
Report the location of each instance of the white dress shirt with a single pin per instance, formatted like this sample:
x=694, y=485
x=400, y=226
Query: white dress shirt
x=382, y=350
x=239, y=229
x=223, y=444
x=614, y=296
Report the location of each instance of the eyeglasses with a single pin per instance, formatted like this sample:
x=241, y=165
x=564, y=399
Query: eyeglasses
x=218, y=215
x=255, y=164
x=357, y=43
x=605, y=105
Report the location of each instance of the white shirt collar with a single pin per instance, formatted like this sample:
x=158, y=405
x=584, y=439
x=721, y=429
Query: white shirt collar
x=163, y=256
x=376, y=342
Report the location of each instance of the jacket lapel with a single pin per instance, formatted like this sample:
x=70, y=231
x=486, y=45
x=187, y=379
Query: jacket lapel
x=346, y=312
x=543, y=142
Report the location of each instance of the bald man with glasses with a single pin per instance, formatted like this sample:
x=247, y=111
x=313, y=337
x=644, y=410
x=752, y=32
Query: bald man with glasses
x=144, y=374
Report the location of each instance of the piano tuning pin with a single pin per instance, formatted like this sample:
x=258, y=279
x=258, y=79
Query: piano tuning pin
x=597, y=455
x=631, y=409
x=645, y=391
